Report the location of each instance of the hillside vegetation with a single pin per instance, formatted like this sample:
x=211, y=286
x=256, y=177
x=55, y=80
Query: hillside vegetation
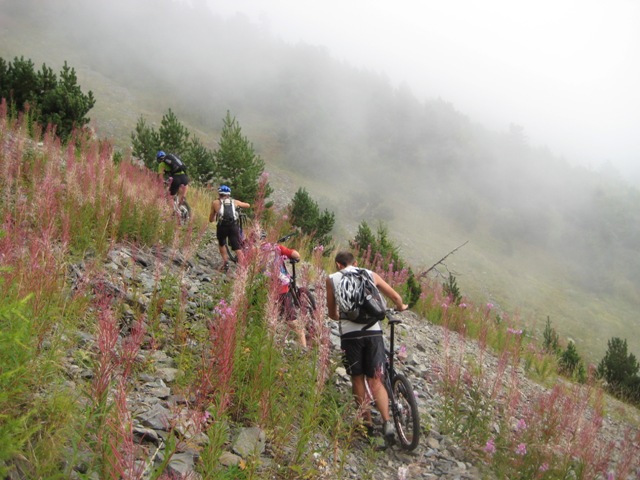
x=545, y=238
x=79, y=342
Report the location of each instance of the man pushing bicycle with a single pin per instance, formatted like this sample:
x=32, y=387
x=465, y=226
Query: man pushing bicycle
x=362, y=346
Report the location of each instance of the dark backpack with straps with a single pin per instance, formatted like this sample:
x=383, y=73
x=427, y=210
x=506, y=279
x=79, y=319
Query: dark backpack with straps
x=358, y=298
x=229, y=214
x=176, y=164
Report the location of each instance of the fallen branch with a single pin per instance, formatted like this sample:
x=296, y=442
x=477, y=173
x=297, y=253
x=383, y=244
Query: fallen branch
x=440, y=262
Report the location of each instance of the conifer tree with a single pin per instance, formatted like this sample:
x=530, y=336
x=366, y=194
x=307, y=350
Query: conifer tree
x=305, y=214
x=618, y=367
x=173, y=137
x=50, y=100
x=237, y=163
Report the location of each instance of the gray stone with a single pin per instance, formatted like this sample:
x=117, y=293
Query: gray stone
x=157, y=417
x=250, y=441
x=229, y=459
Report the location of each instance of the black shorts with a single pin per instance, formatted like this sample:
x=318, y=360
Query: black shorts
x=363, y=355
x=176, y=182
x=231, y=232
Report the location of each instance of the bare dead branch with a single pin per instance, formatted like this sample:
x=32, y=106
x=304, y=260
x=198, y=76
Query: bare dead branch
x=441, y=261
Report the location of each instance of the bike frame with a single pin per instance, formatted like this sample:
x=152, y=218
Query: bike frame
x=402, y=407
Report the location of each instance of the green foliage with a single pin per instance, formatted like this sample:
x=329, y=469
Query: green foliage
x=364, y=237
x=451, y=290
x=375, y=249
x=201, y=162
x=145, y=143
x=237, y=163
x=16, y=350
x=49, y=99
x=571, y=364
x=305, y=214
x=173, y=137
x=550, y=336
x=414, y=290
x=620, y=369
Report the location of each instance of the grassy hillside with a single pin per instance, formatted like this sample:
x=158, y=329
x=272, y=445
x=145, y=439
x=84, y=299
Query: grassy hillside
x=100, y=284
x=368, y=152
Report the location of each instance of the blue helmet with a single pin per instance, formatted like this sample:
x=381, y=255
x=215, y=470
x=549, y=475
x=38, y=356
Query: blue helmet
x=160, y=155
x=224, y=190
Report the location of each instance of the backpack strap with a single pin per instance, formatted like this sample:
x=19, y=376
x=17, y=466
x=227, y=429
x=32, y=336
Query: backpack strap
x=370, y=324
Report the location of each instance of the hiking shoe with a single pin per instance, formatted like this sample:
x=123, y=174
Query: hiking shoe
x=225, y=267
x=365, y=429
x=388, y=429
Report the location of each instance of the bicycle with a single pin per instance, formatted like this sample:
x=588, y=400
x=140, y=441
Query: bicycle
x=302, y=298
x=182, y=210
x=299, y=305
x=403, y=406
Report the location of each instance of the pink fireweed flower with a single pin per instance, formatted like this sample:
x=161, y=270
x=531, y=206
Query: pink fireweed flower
x=521, y=425
x=223, y=309
x=489, y=306
x=445, y=305
x=318, y=248
x=610, y=476
x=544, y=467
x=521, y=449
x=490, y=447
x=402, y=352
x=463, y=305
x=514, y=331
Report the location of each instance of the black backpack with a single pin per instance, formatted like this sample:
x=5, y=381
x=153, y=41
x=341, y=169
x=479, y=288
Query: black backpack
x=177, y=165
x=229, y=214
x=358, y=298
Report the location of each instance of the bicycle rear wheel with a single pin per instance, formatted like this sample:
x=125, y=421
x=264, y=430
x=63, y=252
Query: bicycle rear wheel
x=231, y=254
x=405, y=412
x=185, y=212
x=305, y=302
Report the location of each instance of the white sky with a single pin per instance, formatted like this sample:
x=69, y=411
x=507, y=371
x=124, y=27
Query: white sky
x=568, y=71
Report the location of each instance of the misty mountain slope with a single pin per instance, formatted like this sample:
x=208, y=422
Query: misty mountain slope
x=544, y=237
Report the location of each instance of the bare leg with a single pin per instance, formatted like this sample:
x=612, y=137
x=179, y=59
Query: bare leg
x=223, y=254
x=380, y=396
x=360, y=394
x=302, y=336
x=182, y=192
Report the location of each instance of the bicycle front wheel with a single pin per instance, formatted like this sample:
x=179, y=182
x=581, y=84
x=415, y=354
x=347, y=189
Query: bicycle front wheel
x=405, y=412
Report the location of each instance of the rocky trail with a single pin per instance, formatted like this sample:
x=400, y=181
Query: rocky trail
x=153, y=404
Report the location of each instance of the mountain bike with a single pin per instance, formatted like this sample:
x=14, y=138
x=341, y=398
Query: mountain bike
x=302, y=298
x=299, y=305
x=182, y=210
x=403, y=406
